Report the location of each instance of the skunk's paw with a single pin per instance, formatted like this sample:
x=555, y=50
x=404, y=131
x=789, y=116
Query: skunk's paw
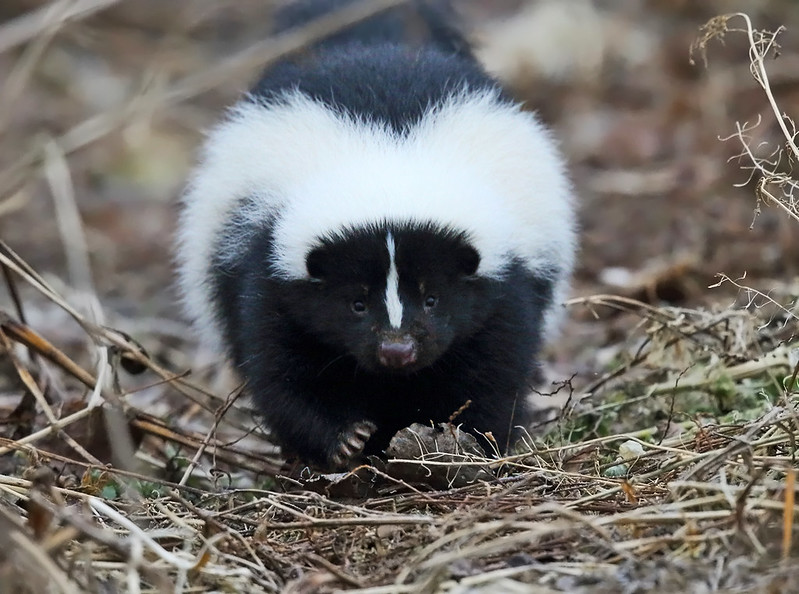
x=351, y=443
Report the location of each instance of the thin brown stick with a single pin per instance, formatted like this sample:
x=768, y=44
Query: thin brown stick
x=35, y=23
x=40, y=345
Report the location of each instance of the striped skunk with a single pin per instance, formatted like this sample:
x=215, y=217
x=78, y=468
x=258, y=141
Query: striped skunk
x=377, y=235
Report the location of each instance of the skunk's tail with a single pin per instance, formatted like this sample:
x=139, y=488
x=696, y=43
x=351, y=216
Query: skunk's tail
x=417, y=22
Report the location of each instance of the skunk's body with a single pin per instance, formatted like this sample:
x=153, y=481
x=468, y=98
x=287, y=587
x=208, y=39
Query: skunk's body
x=378, y=236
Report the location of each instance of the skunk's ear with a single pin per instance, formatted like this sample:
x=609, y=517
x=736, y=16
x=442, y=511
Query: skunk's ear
x=319, y=263
x=468, y=260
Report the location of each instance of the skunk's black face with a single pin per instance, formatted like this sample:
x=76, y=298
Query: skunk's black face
x=395, y=299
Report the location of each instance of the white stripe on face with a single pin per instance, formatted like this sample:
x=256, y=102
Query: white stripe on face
x=393, y=303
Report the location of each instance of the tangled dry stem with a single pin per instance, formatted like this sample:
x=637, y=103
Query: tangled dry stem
x=770, y=167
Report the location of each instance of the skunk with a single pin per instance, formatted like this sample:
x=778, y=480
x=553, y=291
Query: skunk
x=377, y=235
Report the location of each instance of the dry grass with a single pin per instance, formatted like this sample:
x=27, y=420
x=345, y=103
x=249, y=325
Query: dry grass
x=674, y=471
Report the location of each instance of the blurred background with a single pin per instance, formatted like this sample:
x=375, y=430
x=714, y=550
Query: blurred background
x=103, y=105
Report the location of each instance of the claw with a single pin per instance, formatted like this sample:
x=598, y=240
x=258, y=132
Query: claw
x=337, y=460
x=365, y=430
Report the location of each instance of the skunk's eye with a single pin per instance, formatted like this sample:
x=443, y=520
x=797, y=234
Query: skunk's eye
x=358, y=306
x=430, y=301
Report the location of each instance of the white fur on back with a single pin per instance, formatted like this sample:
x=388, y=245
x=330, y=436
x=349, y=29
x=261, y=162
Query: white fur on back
x=473, y=164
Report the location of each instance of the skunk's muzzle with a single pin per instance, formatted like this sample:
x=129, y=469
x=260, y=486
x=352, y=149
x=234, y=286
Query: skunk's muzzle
x=397, y=352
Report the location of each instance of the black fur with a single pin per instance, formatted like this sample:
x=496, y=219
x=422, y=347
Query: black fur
x=311, y=361
x=384, y=82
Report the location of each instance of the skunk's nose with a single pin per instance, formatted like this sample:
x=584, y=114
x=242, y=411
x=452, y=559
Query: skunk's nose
x=398, y=353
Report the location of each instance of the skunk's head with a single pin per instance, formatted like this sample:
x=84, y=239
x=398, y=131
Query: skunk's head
x=394, y=298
